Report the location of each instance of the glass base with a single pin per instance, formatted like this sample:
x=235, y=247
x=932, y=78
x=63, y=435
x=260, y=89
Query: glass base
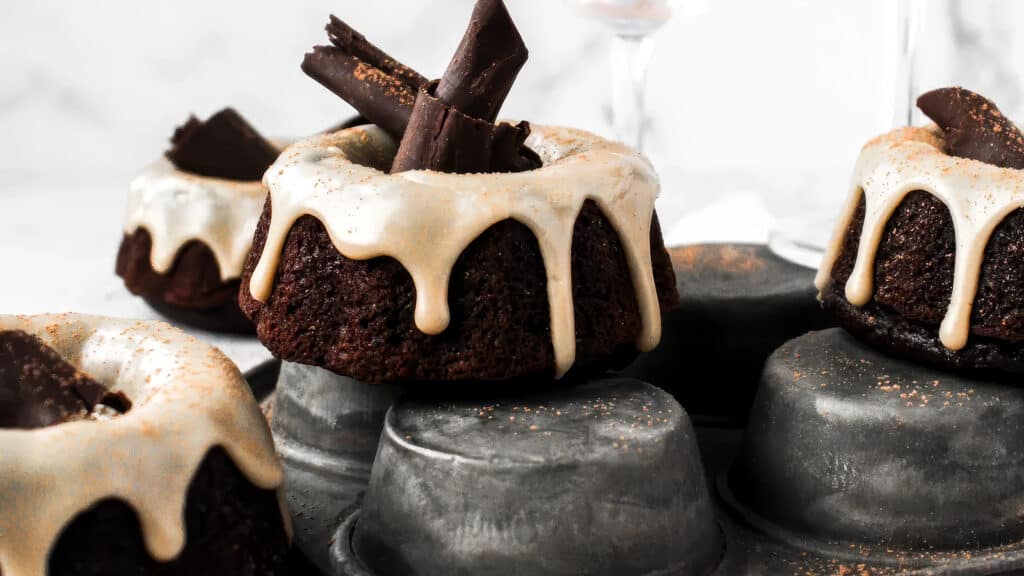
x=801, y=239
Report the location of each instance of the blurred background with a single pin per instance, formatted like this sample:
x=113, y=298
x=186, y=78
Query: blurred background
x=755, y=109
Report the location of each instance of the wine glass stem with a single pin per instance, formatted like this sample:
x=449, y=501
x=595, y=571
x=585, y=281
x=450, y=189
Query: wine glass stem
x=910, y=14
x=630, y=57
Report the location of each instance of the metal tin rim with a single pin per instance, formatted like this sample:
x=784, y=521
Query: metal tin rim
x=343, y=557
x=347, y=563
x=982, y=561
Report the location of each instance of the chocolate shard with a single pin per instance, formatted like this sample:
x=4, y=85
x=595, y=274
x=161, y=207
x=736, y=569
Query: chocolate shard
x=385, y=92
x=382, y=98
x=346, y=39
x=452, y=128
x=225, y=146
x=379, y=87
x=38, y=388
x=442, y=138
x=974, y=127
x=486, y=63
x=527, y=159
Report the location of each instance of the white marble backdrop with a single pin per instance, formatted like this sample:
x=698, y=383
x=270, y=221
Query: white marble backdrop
x=91, y=90
x=776, y=95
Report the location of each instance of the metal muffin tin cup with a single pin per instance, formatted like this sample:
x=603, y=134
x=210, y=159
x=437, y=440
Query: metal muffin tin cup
x=852, y=453
x=737, y=304
x=326, y=429
x=601, y=478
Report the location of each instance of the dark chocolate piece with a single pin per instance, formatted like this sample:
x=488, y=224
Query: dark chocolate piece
x=440, y=137
x=225, y=146
x=451, y=128
x=38, y=388
x=355, y=44
x=974, y=127
x=486, y=63
x=385, y=91
x=379, y=87
x=383, y=99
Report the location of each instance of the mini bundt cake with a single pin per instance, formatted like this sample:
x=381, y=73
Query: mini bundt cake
x=428, y=276
x=191, y=216
x=131, y=448
x=928, y=257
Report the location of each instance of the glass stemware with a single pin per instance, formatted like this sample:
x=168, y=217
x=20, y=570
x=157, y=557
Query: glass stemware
x=908, y=16
x=802, y=237
x=632, y=22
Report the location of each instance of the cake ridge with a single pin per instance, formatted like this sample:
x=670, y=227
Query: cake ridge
x=187, y=397
x=979, y=196
x=426, y=219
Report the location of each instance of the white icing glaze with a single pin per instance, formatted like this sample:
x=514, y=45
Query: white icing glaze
x=187, y=398
x=176, y=207
x=425, y=219
x=978, y=195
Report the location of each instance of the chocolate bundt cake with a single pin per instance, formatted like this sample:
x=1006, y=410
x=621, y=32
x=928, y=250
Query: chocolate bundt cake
x=131, y=448
x=439, y=244
x=191, y=216
x=423, y=275
x=928, y=257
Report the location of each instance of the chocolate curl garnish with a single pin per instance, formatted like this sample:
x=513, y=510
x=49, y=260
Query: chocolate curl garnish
x=225, y=146
x=346, y=39
x=38, y=388
x=974, y=127
x=452, y=124
x=381, y=98
x=379, y=87
x=485, y=66
x=444, y=139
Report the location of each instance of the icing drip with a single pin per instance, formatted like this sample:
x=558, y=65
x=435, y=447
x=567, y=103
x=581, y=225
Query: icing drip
x=426, y=219
x=978, y=195
x=187, y=398
x=176, y=207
